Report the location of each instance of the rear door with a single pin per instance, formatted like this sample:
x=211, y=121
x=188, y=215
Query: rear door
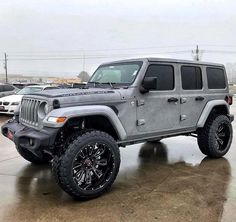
x=192, y=94
x=159, y=109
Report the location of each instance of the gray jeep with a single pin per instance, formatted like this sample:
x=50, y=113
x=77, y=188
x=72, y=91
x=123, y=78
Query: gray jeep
x=125, y=102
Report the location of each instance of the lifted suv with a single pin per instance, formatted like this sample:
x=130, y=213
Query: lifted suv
x=124, y=102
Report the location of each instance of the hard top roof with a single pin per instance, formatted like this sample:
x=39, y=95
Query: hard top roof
x=167, y=60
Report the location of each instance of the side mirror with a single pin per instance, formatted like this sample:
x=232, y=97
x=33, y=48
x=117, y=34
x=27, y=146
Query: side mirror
x=148, y=84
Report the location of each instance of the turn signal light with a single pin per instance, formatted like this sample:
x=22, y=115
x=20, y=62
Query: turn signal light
x=56, y=119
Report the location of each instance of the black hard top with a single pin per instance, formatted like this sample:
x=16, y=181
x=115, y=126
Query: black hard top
x=167, y=60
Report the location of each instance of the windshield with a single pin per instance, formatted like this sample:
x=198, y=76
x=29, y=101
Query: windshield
x=117, y=73
x=29, y=90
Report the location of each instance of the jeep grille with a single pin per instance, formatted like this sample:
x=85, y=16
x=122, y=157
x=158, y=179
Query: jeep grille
x=29, y=111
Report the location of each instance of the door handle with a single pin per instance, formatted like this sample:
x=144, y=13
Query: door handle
x=199, y=98
x=172, y=99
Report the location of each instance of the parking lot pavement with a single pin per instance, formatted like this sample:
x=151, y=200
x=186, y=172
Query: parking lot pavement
x=166, y=181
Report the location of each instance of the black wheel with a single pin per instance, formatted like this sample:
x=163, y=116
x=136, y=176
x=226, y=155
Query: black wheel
x=89, y=165
x=215, y=138
x=27, y=155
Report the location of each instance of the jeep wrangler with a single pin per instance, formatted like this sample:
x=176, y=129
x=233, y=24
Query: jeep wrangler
x=125, y=102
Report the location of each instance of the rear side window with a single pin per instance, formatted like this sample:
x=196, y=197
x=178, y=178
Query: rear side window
x=1, y=88
x=7, y=88
x=216, y=78
x=164, y=74
x=191, y=77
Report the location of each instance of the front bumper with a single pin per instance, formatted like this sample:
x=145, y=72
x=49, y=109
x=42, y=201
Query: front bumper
x=36, y=141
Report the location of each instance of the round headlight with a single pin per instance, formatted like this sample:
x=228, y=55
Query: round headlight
x=46, y=108
x=43, y=110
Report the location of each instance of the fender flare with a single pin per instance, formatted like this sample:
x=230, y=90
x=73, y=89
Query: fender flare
x=89, y=110
x=207, y=110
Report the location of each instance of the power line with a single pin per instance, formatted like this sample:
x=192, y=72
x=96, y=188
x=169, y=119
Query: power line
x=83, y=57
x=19, y=53
x=107, y=49
x=82, y=51
x=196, y=53
x=215, y=45
x=220, y=51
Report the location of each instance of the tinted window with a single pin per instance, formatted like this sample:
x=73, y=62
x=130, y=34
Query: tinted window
x=191, y=77
x=8, y=88
x=216, y=78
x=1, y=88
x=164, y=74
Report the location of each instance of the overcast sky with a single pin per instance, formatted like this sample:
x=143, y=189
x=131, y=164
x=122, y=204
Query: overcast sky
x=43, y=29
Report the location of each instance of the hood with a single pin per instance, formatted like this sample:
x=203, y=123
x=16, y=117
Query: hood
x=55, y=93
x=73, y=97
x=12, y=98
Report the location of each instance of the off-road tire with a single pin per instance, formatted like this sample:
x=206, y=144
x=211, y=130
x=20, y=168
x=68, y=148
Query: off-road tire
x=62, y=165
x=207, y=136
x=29, y=156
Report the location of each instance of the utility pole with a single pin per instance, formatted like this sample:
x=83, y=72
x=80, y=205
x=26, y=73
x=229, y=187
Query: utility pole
x=83, y=61
x=196, y=54
x=5, y=66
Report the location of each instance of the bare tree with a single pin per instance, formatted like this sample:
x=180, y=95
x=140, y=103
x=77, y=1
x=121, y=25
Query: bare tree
x=84, y=76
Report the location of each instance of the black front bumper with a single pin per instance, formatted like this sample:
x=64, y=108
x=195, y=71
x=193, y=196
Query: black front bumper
x=36, y=141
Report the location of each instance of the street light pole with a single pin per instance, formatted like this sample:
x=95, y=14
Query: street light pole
x=196, y=54
x=5, y=66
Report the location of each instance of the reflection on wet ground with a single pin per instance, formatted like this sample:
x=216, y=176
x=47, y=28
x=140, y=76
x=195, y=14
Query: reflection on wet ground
x=166, y=181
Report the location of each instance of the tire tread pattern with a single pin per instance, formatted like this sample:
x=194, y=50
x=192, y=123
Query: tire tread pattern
x=206, y=136
x=59, y=163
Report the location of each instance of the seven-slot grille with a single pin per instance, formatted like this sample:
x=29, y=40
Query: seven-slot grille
x=29, y=111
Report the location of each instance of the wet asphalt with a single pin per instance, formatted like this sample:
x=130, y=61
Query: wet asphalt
x=167, y=181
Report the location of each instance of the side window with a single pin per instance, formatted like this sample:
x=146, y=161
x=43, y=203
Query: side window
x=1, y=88
x=191, y=77
x=215, y=78
x=164, y=74
x=7, y=88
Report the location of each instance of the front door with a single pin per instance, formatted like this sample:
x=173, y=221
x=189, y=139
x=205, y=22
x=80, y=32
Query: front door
x=159, y=110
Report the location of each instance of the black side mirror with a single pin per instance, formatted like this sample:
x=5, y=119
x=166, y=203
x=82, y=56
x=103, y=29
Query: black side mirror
x=148, y=84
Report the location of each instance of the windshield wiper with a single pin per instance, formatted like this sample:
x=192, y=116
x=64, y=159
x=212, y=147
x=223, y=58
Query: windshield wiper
x=109, y=83
x=94, y=83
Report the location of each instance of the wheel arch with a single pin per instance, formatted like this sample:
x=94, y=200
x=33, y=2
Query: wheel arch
x=213, y=107
x=99, y=117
